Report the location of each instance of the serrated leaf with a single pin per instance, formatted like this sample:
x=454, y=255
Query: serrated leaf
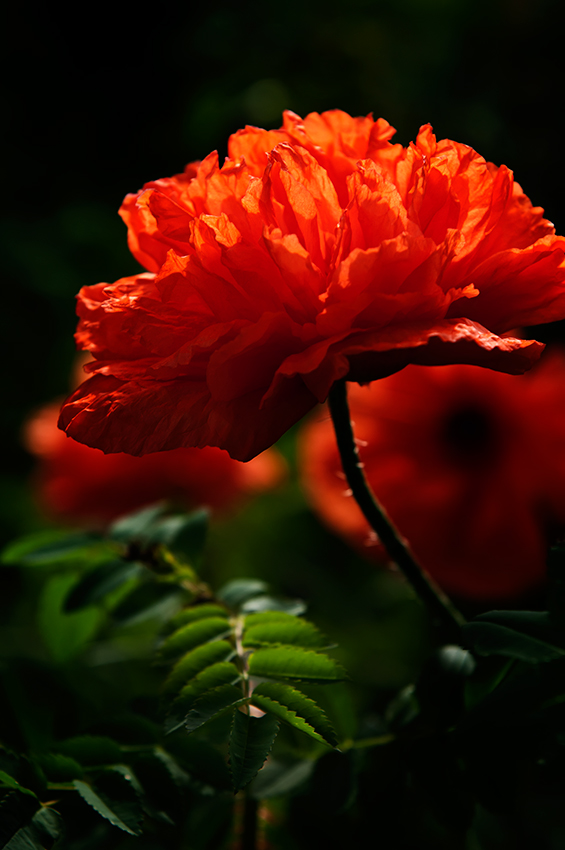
x=293, y=632
x=137, y=525
x=149, y=601
x=45, y=828
x=16, y=812
x=195, y=661
x=494, y=638
x=8, y=781
x=185, y=534
x=194, y=634
x=212, y=703
x=96, y=584
x=260, y=617
x=45, y=548
x=251, y=741
x=222, y=673
x=295, y=607
x=196, y=612
x=126, y=813
x=296, y=709
x=91, y=749
x=291, y=662
x=236, y=592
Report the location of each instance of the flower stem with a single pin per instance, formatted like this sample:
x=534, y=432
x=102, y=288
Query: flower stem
x=444, y=614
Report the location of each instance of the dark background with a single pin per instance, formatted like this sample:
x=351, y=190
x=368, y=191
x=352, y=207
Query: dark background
x=96, y=104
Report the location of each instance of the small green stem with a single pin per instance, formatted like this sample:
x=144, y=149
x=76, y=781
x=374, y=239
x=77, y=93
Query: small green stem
x=444, y=614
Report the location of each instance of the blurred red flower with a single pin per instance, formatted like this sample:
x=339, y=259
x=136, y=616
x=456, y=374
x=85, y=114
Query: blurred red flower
x=317, y=251
x=75, y=483
x=469, y=464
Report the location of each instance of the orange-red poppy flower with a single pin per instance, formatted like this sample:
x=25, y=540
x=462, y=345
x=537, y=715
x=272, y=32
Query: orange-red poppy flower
x=469, y=463
x=78, y=484
x=316, y=252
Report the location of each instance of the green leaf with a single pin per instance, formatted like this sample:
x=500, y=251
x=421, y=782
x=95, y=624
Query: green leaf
x=193, y=634
x=251, y=742
x=91, y=749
x=525, y=635
x=45, y=828
x=293, y=632
x=239, y=590
x=295, y=607
x=212, y=703
x=291, y=662
x=196, y=612
x=184, y=535
x=46, y=548
x=8, y=781
x=96, y=584
x=137, y=525
x=222, y=673
x=296, y=709
x=58, y=767
x=149, y=601
x=194, y=662
x=121, y=806
x=261, y=617
x=65, y=635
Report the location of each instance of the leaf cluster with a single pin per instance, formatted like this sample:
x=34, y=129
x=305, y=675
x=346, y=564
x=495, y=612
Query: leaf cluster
x=244, y=657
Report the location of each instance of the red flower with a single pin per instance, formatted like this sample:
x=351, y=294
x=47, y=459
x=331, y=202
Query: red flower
x=316, y=252
x=79, y=484
x=470, y=465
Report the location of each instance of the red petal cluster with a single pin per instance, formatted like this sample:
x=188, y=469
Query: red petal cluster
x=469, y=463
x=317, y=251
x=78, y=484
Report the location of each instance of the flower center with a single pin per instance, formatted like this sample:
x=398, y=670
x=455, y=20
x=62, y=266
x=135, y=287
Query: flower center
x=469, y=435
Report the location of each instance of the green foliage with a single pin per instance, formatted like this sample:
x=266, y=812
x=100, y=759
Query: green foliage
x=526, y=635
x=212, y=703
x=296, y=709
x=55, y=548
x=194, y=634
x=121, y=807
x=291, y=662
x=288, y=631
x=251, y=741
x=194, y=662
x=101, y=581
x=45, y=828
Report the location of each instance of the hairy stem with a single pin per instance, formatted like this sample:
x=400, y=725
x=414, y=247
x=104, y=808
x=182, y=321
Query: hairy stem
x=444, y=615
